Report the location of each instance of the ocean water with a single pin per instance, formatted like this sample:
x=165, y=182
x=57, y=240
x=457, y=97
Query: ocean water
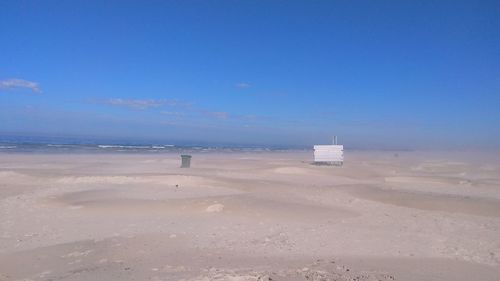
x=30, y=144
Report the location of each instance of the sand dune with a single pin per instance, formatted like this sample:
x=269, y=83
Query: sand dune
x=115, y=258
x=135, y=202
x=427, y=179
x=263, y=216
x=164, y=179
x=293, y=170
x=430, y=201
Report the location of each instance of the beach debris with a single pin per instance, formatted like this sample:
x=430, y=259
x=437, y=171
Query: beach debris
x=174, y=268
x=77, y=254
x=215, y=274
x=304, y=274
x=215, y=208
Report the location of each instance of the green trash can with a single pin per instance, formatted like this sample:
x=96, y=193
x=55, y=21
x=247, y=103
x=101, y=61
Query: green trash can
x=186, y=161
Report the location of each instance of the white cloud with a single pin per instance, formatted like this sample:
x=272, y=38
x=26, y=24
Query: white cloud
x=242, y=85
x=174, y=109
x=217, y=114
x=10, y=84
x=143, y=103
x=173, y=113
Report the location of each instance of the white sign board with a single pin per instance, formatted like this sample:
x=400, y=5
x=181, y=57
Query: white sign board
x=328, y=153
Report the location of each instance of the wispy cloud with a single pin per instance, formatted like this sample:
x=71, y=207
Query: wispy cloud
x=242, y=85
x=271, y=94
x=11, y=84
x=176, y=110
x=247, y=117
x=143, y=103
x=217, y=114
x=173, y=113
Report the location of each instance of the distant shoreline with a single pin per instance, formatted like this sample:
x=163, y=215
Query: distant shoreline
x=131, y=148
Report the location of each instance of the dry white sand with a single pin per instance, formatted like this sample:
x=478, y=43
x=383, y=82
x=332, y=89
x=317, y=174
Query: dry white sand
x=250, y=216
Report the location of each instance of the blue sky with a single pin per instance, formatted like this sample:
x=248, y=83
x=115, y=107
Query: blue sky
x=391, y=74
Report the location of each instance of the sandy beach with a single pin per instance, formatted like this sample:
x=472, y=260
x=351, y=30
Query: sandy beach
x=250, y=216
